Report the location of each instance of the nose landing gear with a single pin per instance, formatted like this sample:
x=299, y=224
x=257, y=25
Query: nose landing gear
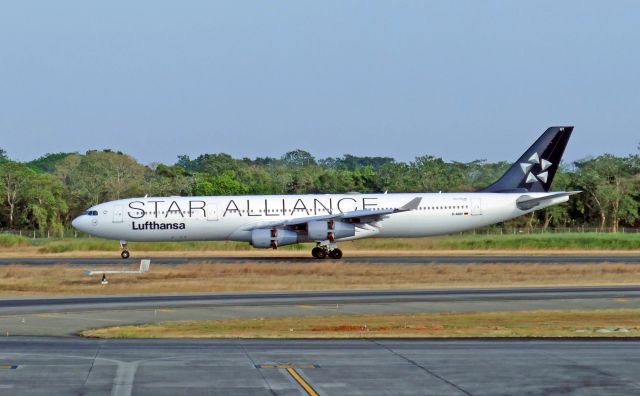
x=328, y=249
x=125, y=251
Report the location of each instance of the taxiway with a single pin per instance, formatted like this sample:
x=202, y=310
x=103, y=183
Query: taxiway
x=66, y=364
x=63, y=316
x=353, y=258
x=39, y=366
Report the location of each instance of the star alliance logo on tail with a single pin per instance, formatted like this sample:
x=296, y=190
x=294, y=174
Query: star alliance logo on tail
x=544, y=165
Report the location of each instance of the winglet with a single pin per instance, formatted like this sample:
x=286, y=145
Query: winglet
x=411, y=205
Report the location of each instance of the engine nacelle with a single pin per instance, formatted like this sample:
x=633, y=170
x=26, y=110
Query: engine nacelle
x=263, y=238
x=329, y=230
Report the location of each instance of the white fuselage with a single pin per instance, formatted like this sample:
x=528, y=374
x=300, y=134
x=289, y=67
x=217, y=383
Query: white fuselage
x=229, y=218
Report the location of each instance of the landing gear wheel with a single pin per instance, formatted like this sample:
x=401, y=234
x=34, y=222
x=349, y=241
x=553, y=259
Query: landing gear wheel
x=320, y=253
x=335, y=254
x=314, y=252
x=125, y=250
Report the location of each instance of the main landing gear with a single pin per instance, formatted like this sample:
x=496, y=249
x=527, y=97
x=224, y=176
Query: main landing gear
x=322, y=251
x=125, y=251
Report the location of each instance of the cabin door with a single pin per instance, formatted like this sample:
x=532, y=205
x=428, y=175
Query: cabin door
x=476, y=207
x=212, y=211
x=117, y=214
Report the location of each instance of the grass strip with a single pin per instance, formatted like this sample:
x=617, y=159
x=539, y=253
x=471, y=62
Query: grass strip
x=544, y=323
x=546, y=241
x=26, y=280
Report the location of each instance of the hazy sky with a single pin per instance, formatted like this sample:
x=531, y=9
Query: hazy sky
x=458, y=79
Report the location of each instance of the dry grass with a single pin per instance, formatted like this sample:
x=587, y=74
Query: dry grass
x=328, y=275
x=441, y=325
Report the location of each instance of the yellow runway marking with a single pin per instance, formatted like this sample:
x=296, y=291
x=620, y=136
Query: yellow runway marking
x=49, y=315
x=69, y=316
x=621, y=300
x=285, y=366
x=310, y=391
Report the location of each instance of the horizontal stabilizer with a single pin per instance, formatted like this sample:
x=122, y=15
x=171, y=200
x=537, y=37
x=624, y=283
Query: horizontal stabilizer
x=527, y=202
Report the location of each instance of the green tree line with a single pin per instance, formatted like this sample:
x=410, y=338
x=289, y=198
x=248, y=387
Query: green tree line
x=47, y=193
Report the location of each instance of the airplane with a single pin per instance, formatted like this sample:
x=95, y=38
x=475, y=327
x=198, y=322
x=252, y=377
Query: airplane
x=271, y=221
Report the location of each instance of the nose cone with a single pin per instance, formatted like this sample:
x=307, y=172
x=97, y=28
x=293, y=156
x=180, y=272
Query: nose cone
x=77, y=223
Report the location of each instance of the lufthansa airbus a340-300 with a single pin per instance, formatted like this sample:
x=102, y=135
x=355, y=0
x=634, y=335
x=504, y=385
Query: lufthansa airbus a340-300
x=270, y=221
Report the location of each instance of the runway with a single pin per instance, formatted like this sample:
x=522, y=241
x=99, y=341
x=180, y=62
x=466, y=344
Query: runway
x=65, y=316
x=325, y=297
x=32, y=362
x=353, y=258
x=38, y=366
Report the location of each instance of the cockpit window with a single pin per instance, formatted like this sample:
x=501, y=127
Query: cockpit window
x=90, y=212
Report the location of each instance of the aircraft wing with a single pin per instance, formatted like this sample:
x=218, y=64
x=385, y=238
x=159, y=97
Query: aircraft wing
x=527, y=202
x=356, y=216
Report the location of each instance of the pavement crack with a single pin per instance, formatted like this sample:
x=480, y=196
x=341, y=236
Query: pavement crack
x=253, y=362
x=93, y=362
x=421, y=367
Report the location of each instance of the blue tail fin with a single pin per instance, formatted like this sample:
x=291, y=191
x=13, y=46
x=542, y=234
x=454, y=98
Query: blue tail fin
x=536, y=168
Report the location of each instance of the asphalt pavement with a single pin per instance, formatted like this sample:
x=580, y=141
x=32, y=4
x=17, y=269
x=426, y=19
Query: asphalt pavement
x=67, y=364
x=63, y=316
x=73, y=366
x=348, y=258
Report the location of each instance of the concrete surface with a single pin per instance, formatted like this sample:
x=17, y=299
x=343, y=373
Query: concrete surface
x=69, y=315
x=348, y=258
x=46, y=366
x=75, y=366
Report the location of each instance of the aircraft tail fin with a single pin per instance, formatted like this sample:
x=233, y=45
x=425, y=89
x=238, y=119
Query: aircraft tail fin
x=535, y=169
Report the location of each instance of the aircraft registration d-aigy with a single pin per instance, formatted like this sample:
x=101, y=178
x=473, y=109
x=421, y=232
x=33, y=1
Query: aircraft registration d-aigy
x=270, y=221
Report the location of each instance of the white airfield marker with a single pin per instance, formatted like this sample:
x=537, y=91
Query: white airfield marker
x=144, y=267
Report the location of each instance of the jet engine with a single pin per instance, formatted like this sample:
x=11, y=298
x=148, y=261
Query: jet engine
x=265, y=238
x=329, y=230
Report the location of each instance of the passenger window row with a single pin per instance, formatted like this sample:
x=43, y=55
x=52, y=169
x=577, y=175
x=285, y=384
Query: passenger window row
x=443, y=207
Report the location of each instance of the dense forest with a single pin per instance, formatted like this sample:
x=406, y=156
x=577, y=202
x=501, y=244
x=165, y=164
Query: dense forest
x=47, y=193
